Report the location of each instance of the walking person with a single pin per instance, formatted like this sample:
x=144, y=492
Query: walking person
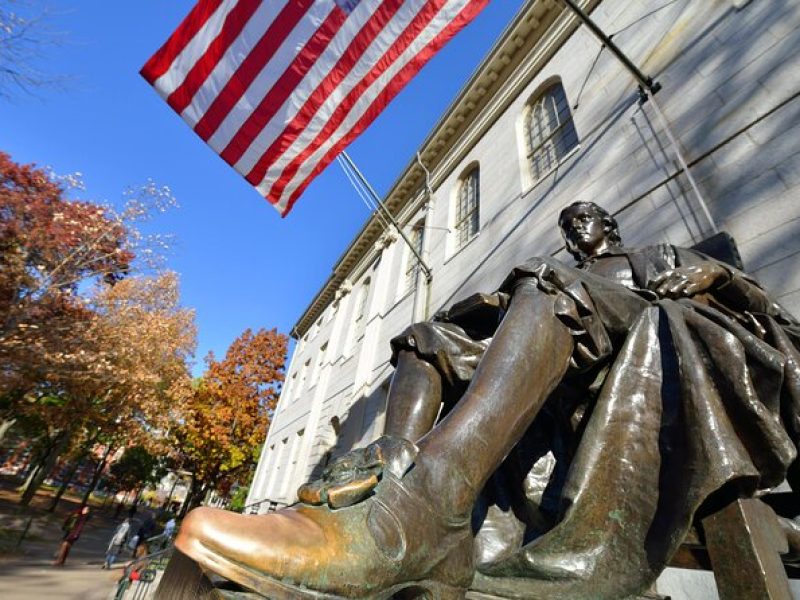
x=145, y=532
x=169, y=528
x=72, y=528
x=117, y=542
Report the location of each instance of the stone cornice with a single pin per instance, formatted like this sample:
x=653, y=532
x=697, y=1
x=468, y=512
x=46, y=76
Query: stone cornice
x=540, y=28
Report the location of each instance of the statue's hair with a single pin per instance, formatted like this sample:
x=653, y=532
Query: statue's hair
x=596, y=210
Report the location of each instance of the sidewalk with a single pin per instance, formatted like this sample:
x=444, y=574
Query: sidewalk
x=34, y=579
x=28, y=574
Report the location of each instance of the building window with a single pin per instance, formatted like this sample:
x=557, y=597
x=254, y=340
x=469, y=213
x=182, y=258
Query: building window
x=361, y=310
x=303, y=375
x=320, y=362
x=316, y=328
x=293, y=389
x=412, y=265
x=467, y=207
x=359, y=318
x=549, y=131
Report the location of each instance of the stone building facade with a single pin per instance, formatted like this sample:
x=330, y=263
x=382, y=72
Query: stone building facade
x=549, y=118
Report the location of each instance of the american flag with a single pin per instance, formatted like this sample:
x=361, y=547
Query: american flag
x=279, y=88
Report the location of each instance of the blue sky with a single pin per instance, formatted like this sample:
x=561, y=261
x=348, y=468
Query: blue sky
x=241, y=265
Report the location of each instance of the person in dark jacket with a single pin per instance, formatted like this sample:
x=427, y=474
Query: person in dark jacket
x=145, y=531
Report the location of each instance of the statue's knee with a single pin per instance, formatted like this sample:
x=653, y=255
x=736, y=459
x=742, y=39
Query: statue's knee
x=197, y=522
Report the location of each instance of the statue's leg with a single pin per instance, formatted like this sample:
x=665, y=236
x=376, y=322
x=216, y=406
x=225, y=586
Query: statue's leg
x=526, y=360
x=609, y=542
x=413, y=534
x=414, y=398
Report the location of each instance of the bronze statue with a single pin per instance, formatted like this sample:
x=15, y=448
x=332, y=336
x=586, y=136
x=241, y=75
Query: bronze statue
x=675, y=380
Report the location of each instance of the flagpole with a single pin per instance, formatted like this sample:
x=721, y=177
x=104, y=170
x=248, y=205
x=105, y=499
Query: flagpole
x=385, y=212
x=644, y=80
x=648, y=89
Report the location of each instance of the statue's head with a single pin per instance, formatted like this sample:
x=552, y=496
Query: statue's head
x=588, y=229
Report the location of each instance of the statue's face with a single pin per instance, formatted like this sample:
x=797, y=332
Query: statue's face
x=584, y=232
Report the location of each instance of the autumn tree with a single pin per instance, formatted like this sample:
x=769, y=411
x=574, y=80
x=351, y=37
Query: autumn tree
x=49, y=245
x=146, y=340
x=136, y=469
x=138, y=345
x=53, y=248
x=227, y=412
x=88, y=367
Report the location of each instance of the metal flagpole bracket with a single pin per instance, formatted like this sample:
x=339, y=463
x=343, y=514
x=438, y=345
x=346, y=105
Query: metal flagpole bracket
x=645, y=81
x=425, y=170
x=383, y=210
x=648, y=88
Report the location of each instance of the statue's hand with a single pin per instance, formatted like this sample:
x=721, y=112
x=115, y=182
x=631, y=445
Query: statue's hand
x=442, y=316
x=684, y=282
x=353, y=476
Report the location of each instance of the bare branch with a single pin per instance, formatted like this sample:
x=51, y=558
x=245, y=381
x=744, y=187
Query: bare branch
x=25, y=40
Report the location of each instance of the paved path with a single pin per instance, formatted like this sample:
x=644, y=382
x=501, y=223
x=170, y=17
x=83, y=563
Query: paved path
x=28, y=573
x=36, y=579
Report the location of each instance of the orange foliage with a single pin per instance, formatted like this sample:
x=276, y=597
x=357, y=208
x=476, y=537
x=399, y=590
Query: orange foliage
x=228, y=411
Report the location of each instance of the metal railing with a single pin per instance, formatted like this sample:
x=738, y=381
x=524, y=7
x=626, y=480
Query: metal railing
x=146, y=567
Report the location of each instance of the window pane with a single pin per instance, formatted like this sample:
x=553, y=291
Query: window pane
x=412, y=266
x=467, y=209
x=550, y=131
x=362, y=300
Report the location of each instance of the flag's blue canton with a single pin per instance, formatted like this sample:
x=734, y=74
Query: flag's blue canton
x=347, y=6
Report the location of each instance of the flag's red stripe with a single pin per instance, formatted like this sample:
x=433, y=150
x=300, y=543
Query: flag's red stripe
x=197, y=75
x=403, y=41
x=251, y=66
x=397, y=83
x=285, y=85
x=160, y=62
x=355, y=50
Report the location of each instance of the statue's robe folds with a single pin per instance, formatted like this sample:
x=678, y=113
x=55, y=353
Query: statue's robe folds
x=674, y=406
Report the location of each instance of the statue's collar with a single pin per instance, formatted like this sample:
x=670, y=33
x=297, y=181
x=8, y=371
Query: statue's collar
x=610, y=251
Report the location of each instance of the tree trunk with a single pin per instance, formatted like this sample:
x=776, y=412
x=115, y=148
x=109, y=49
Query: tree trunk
x=193, y=497
x=168, y=503
x=33, y=471
x=67, y=480
x=96, y=476
x=33, y=459
x=81, y=456
x=5, y=425
x=40, y=473
x=8, y=415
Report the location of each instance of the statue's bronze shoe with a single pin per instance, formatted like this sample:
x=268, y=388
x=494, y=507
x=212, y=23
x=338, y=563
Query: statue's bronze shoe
x=389, y=543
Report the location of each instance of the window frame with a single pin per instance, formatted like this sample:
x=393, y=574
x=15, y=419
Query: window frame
x=303, y=379
x=417, y=238
x=466, y=209
x=549, y=133
x=323, y=350
x=359, y=316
